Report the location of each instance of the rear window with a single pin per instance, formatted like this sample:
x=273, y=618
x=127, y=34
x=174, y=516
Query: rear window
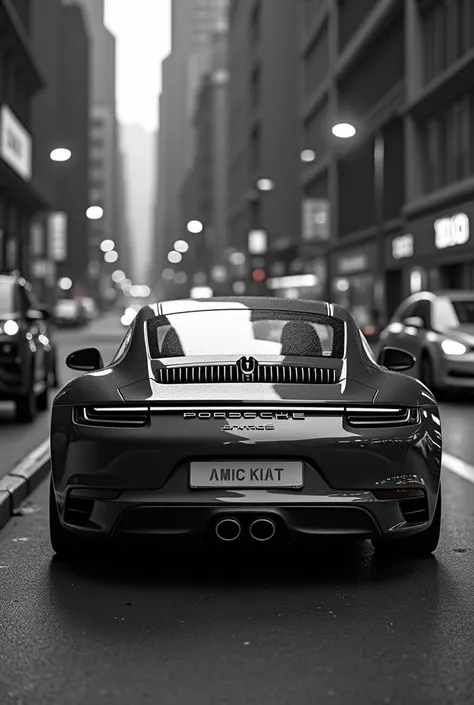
x=246, y=332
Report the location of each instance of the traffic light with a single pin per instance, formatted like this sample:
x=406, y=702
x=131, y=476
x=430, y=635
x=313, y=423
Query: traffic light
x=259, y=275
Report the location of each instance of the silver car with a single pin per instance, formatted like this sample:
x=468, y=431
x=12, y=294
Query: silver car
x=438, y=329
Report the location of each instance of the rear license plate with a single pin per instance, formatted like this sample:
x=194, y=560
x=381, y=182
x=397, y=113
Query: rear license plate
x=246, y=474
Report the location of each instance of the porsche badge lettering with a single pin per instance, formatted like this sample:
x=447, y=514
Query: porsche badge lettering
x=266, y=427
x=277, y=415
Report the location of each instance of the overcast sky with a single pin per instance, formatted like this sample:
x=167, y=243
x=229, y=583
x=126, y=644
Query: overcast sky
x=143, y=32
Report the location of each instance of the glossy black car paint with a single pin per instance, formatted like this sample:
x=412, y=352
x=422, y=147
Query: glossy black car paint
x=28, y=358
x=127, y=481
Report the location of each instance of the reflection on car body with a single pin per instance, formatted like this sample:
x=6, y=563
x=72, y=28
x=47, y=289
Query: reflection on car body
x=206, y=428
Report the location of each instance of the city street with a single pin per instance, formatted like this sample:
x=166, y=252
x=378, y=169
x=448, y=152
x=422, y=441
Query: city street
x=337, y=626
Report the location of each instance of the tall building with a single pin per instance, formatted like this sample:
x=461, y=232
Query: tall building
x=204, y=194
x=104, y=145
x=401, y=189
x=193, y=24
x=264, y=142
x=21, y=197
x=60, y=246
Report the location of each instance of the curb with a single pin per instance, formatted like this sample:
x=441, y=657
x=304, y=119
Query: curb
x=22, y=480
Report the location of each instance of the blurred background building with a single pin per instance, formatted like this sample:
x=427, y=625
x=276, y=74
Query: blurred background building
x=364, y=213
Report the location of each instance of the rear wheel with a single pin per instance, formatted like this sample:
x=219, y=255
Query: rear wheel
x=417, y=546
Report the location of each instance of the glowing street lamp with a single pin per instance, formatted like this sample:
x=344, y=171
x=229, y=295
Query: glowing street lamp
x=111, y=256
x=65, y=284
x=181, y=246
x=195, y=227
x=107, y=245
x=61, y=154
x=174, y=257
x=308, y=155
x=94, y=212
x=265, y=185
x=344, y=130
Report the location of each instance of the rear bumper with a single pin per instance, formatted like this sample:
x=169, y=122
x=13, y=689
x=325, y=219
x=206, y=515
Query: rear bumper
x=136, y=481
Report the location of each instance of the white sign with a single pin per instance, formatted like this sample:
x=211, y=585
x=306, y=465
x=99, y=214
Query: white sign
x=315, y=219
x=355, y=263
x=257, y=242
x=15, y=144
x=57, y=231
x=403, y=246
x=451, y=231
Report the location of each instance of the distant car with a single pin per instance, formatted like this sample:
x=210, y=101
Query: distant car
x=90, y=307
x=438, y=329
x=69, y=313
x=28, y=365
x=245, y=420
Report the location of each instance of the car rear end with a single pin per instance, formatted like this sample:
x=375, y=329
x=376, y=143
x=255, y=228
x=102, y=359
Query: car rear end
x=278, y=441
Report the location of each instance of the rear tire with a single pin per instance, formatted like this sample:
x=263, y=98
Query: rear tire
x=63, y=543
x=420, y=545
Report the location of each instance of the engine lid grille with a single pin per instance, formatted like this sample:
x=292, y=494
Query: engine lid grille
x=267, y=374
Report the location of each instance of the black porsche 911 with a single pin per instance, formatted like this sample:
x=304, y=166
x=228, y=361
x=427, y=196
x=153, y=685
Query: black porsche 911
x=245, y=419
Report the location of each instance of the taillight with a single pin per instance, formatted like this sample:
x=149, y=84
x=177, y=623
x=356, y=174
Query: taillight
x=380, y=417
x=111, y=416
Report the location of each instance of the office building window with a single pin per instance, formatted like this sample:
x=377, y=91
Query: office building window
x=316, y=62
x=448, y=145
x=448, y=34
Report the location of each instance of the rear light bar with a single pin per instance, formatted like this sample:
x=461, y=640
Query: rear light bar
x=124, y=417
x=380, y=417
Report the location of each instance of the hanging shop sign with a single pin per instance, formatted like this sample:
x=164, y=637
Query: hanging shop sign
x=15, y=144
x=451, y=231
x=403, y=246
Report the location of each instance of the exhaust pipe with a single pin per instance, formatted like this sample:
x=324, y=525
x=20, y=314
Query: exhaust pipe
x=228, y=529
x=262, y=529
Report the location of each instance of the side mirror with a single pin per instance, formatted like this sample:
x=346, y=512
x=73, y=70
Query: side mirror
x=87, y=360
x=396, y=360
x=414, y=322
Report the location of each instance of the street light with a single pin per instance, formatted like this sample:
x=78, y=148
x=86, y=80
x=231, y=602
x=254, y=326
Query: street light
x=94, y=212
x=174, y=257
x=60, y=154
x=181, y=246
x=118, y=276
x=343, y=130
x=111, y=256
x=308, y=155
x=195, y=226
x=168, y=274
x=107, y=245
x=265, y=185
x=65, y=284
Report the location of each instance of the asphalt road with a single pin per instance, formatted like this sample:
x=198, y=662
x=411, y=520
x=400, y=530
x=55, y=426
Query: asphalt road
x=17, y=439
x=333, y=626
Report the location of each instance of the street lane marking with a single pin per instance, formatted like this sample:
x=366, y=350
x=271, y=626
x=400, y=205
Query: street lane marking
x=458, y=466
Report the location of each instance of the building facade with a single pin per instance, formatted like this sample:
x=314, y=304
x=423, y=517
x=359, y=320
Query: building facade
x=264, y=145
x=20, y=80
x=399, y=193
x=193, y=25
x=104, y=158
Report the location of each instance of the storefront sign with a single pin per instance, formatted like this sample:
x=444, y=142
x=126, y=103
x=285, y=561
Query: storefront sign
x=15, y=144
x=354, y=263
x=403, y=246
x=451, y=231
x=315, y=219
x=57, y=231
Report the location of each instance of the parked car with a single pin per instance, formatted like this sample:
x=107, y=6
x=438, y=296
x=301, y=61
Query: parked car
x=90, y=307
x=245, y=420
x=438, y=329
x=69, y=313
x=28, y=361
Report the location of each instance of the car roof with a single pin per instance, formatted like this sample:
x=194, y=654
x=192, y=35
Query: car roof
x=251, y=302
x=454, y=294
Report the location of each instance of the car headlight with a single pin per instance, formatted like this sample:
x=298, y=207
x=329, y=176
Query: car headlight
x=453, y=347
x=11, y=327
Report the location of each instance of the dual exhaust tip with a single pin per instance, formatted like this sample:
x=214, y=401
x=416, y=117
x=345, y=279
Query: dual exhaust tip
x=230, y=529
